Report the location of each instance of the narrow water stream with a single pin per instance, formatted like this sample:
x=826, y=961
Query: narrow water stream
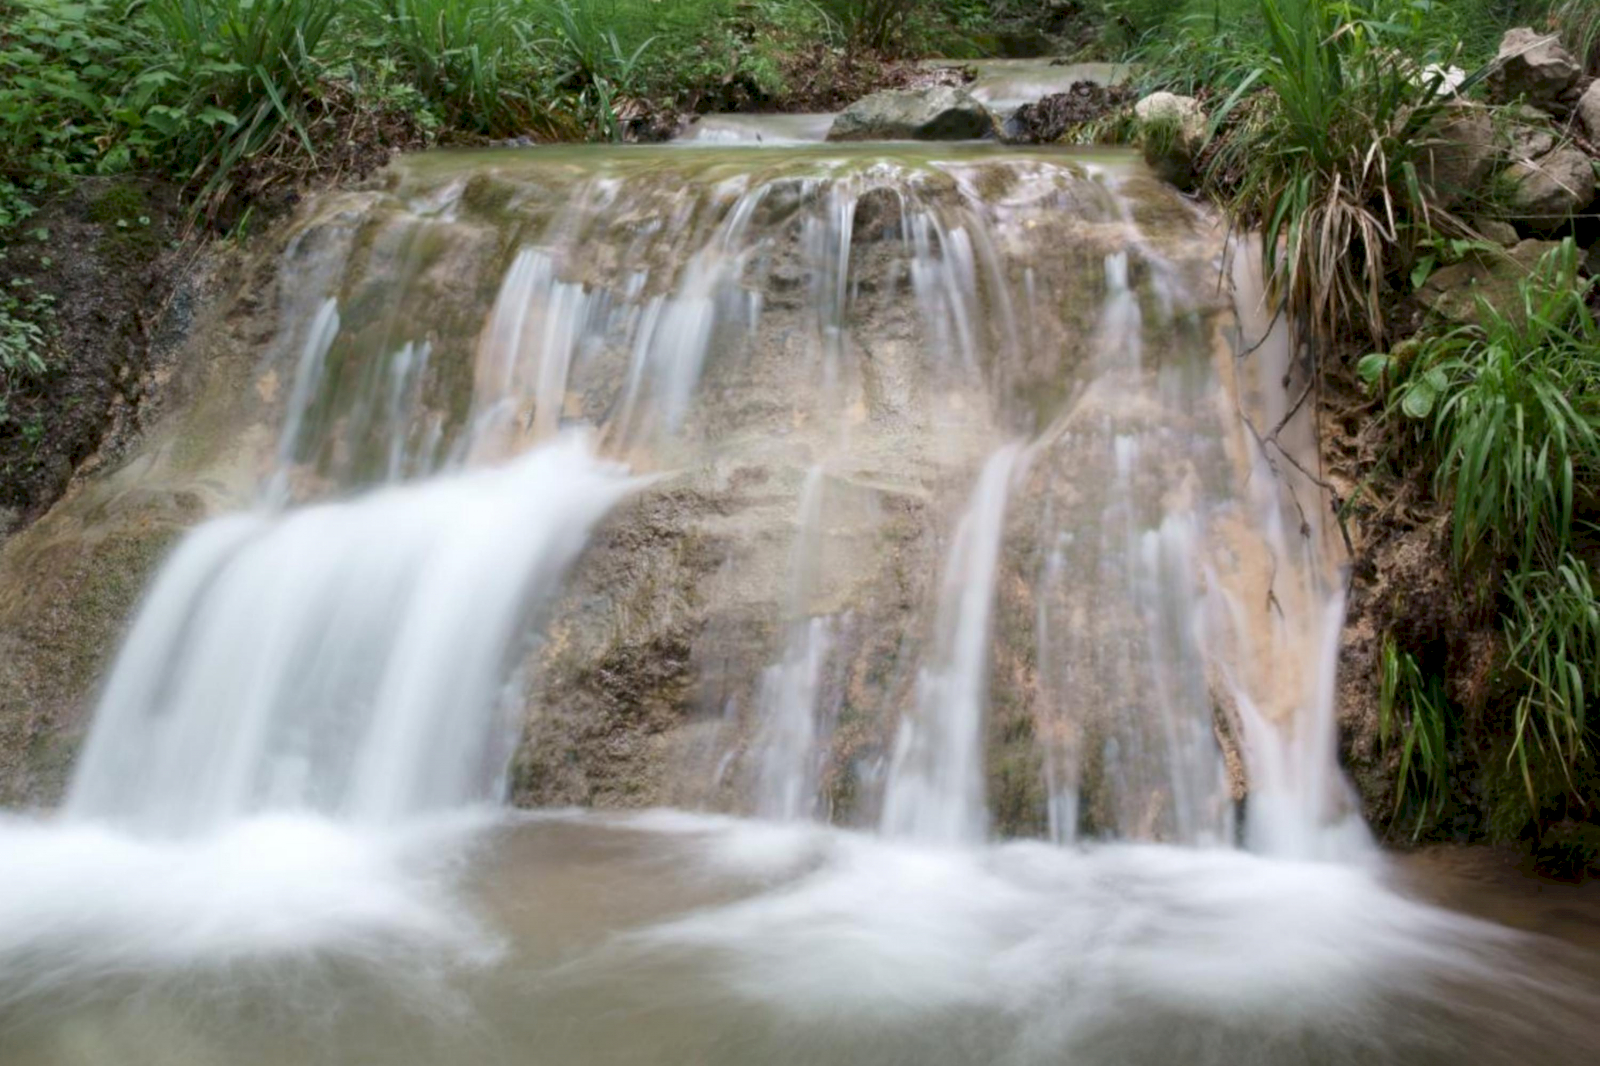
x=894, y=522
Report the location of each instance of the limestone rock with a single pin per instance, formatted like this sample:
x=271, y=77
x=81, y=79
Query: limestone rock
x=1532, y=66
x=1531, y=133
x=1453, y=291
x=1497, y=230
x=939, y=113
x=1589, y=111
x=1546, y=192
x=1172, y=132
x=1460, y=155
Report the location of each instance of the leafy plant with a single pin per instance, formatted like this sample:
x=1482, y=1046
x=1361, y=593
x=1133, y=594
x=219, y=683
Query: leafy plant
x=474, y=58
x=1513, y=404
x=1324, y=161
x=877, y=24
x=25, y=316
x=243, y=71
x=1414, y=713
x=64, y=67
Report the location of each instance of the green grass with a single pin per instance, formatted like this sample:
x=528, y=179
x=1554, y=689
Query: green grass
x=1513, y=407
x=1318, y=148
x=1509, y=410
x=1415, y=715
x=1554, y=627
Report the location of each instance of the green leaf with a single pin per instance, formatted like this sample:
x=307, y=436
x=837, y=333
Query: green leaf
x=1422, y=271
x=1418, y=399
x=1374, y=366
x=216, y=116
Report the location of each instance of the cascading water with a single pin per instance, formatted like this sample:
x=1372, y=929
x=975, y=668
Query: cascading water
x=909, y=507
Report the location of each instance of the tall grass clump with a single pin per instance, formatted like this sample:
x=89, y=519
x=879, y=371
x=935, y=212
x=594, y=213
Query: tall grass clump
x=471, y=59
x=1415, y=716
x=1554, y=629
x=880, y=25
x=237, y=74
x=1509, y=407
x=1320, y=150
x=1512, y=408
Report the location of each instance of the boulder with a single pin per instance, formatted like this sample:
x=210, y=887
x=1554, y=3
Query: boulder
x=1547, y=192
x=1496, y=231
x=937, y=113
x=1589, y=111
x=1172, y=132
x=1531, y=134
x=1048, y=119
x=1532, y=66
x=1460, y=155
x=1452, y=292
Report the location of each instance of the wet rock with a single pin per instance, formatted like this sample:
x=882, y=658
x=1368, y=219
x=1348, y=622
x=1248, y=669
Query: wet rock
x=1454, y=291
x=1459, y=156
x=1547, y=192
x=877, y=217
x=1050, y=118
x=1588, y=110
x=940, y=113
x=1532, y=66
x=1172, y=131
x=647, y=122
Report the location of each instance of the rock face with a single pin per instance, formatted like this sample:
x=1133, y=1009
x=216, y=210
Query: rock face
x=1460, y=155
x=1547, y=192
x=1454, y=291
x=1532, y=134
x=940, y=113
x=648, y=677
x=1589, y=111
x=1172, y=131
x=1532, y=66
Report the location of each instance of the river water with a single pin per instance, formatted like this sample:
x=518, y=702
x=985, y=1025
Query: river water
x=924, y=534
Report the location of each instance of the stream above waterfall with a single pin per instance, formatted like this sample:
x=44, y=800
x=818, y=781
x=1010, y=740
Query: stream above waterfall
x=891, y=578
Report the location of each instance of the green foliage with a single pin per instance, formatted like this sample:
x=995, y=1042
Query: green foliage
x=1414, y=713
x=25, y=316
x=1513, y=407
x=238, y=73
x=1324, y=161
x=472, y=59
x=876, y=24
x=1510, y=409
x=64, y=69
x=1554, y=627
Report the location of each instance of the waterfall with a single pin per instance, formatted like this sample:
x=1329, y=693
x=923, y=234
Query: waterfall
x=868, y=563
x=936, y=783
x=347, y=658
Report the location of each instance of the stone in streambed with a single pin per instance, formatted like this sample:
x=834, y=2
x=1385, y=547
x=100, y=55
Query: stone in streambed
x=1172, y=133
x=939, y=113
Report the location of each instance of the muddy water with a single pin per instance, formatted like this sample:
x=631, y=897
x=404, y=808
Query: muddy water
x=671, y=938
